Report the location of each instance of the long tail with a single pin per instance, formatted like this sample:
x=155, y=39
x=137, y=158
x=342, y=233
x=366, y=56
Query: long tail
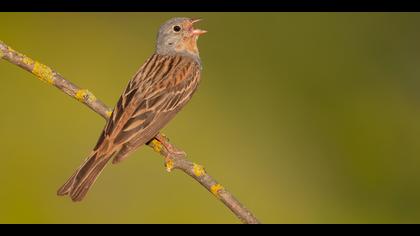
x=80, y=182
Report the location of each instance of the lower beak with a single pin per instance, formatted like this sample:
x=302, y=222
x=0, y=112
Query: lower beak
x=198, y=32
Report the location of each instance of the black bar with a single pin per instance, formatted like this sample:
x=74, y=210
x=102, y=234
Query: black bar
x=211, y=5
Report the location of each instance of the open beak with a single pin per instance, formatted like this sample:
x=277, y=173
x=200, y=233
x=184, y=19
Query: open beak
x=197, y=31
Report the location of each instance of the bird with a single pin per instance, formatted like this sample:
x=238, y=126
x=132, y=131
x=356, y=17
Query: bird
x=156, y=93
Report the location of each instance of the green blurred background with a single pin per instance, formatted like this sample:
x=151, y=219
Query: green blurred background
x=305, y=117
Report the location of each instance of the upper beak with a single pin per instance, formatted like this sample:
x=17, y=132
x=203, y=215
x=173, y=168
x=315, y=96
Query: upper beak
x=197, y=31
x=196, y=20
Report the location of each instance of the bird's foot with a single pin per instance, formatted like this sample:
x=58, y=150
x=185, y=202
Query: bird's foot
x=171, y=150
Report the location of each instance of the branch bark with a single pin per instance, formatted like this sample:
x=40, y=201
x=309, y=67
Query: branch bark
x=174, y=157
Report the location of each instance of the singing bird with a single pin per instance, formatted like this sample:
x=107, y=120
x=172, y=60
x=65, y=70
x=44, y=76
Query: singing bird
x=156, y=93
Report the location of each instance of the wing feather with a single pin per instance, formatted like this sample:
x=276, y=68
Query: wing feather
x=151, y=99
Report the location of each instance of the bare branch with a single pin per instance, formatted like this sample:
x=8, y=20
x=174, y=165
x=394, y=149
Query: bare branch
x=174, y=158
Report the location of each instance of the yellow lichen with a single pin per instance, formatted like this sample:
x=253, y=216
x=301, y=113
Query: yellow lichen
x=43, y=72
x=83, y=94
x=215, y=189
x=11, y=50
x=169, y=164
x=28, y=61
x=198, y=170
x=1, y=54
x=80, y=95
x=157, y=146
x=109, y=113
x=91, y=97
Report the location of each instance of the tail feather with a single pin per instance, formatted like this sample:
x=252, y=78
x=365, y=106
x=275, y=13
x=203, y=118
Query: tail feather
x=81, y=181
x=65, y=189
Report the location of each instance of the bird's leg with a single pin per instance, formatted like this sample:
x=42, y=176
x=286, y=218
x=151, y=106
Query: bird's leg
x=172, y=151
x=161, y=144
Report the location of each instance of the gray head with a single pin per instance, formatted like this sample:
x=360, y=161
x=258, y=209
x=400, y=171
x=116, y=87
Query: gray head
x=177, y=36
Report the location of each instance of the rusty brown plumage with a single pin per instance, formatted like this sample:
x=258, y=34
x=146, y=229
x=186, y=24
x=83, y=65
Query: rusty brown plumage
x=157, y=92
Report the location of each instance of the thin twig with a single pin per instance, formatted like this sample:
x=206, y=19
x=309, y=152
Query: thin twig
x=174, y=157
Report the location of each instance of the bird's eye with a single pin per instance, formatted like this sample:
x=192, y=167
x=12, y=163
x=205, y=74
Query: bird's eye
x=177, y=28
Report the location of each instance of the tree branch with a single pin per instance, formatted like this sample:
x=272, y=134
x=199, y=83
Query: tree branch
x=174, y=157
